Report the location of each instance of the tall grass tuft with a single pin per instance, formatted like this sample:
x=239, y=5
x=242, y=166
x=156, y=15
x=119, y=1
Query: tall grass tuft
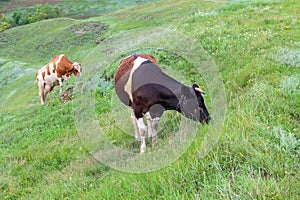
x=288, y=57
x=291, y=84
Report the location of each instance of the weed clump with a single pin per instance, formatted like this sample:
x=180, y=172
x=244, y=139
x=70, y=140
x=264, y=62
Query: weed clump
x=291, y=84
x=285, y=141
x=288, y=57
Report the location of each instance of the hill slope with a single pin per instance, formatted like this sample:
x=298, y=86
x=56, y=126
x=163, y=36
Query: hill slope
x=256, y=48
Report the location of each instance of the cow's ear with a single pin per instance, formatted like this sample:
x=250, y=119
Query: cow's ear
x=196, y=88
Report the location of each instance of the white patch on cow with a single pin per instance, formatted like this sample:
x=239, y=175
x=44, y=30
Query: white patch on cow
x=65, y=77
x=128, y=86
x=149, y=121
x=142, y=130
x=77, y=66
x=51, y=67
x=50, y=79
x=59, y=59
x=141, y=126
x=40, y=76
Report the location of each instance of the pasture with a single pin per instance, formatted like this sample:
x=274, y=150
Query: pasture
x=256, y=48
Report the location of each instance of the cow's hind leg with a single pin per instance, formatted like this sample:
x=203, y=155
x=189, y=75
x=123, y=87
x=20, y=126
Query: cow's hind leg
x=154, y=125
x=136, y=128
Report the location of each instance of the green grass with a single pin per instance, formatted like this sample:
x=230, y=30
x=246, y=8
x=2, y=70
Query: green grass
x=255, y=47
x=79, y=9
x=66, y=35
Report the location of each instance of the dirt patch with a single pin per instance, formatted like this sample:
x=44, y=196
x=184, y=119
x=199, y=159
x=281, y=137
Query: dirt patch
x=14, y=4
x=66, y=95
x=88, y=27
x=89, y=30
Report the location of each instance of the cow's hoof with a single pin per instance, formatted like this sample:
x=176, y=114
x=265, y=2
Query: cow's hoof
x=143, y=147
x=154, y=140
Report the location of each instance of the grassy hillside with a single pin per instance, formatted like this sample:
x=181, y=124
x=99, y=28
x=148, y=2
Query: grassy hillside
x=256, y=47
x=72, y=8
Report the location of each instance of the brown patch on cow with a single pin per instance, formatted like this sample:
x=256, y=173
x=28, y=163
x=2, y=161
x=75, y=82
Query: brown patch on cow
x=43, y=75
x=53, y=61
x=69, y=73
x=127, y=63
x=48, y=69
x=75, y=72
x=63, y=66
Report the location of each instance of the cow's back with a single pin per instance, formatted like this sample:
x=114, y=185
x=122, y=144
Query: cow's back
x=150, y=73
x=122, y=74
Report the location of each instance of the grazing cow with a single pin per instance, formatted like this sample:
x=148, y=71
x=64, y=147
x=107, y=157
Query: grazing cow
x=148, y=91
x=60, y=68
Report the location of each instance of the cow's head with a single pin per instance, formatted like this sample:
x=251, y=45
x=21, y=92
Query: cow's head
x=76, y=68
x=192, y=104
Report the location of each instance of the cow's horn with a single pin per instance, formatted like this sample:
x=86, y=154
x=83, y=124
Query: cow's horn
x=200, y=90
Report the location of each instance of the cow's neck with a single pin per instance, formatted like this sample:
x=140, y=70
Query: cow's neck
x=173, y=101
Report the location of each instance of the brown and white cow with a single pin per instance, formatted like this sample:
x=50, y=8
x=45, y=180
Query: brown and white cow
x=148, y=91
x=60, y=68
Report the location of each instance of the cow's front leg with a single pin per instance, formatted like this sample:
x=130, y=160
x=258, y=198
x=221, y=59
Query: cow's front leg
x=43, y=98
x=156, y=112
x=47, y=89
x=41, y=92
x=152, y=125
x=60, y=84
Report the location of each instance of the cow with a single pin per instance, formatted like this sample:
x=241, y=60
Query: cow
x=141, y=85
x=60, y=68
